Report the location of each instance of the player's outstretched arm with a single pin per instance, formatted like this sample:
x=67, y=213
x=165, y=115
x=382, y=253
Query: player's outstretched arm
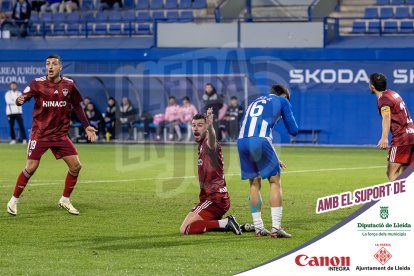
x=289, y=119
x=211, y=132
x=21, y=99
x=386, y=124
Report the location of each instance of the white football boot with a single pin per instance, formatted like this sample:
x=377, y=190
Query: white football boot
x=69, y=207
x=12, y=208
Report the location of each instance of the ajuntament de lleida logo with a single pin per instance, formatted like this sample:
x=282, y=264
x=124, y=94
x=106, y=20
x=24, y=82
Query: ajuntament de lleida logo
x=384, y=212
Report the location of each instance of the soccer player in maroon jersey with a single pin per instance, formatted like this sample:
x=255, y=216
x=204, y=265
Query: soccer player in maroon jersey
x=214, y=198
x=395, y=117
x=55, y=96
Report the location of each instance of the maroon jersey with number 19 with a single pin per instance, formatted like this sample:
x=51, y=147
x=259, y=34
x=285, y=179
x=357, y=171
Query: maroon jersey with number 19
x=402, y=127
x=52, y=108
x=211, y=174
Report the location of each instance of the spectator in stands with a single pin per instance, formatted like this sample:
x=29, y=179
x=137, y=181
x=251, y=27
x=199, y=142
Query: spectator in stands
x=110, y=5
x=234, y=115
x=95, y=119
x=172, y=117
x=111, y=114
x=212, y=99
x=14, y=113
x=128, y=114
x=51, y=6
x=21, y=16
x=7, y=25
x=68, y=6
x=37, y=4
x=85, y=103
x=223, y=120
x=188, y=110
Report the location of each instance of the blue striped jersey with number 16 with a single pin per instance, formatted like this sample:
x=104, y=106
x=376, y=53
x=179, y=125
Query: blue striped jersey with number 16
x=263, y=114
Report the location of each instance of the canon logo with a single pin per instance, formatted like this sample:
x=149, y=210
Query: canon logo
x=304, y=260
x=54, y=103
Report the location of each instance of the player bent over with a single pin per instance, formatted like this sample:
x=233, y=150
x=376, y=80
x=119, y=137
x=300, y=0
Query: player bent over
x=258, y=158
x=214, y=198
x=54, y=97
x=395, y=117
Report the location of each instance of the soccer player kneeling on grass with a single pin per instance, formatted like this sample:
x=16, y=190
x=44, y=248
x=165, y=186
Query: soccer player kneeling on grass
x=214, y=198
x=258, y=158
x=55, y=96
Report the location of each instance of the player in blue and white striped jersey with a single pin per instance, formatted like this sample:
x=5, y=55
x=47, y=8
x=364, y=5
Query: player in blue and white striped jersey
x=258, y=158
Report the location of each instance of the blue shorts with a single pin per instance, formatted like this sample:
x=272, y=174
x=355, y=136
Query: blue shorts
x=258, y=158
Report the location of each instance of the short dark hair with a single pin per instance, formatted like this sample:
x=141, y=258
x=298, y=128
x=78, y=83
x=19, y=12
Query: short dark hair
x=55, y=56
x=280, y=90
x=233, y=98
x=379, y=81
x=13, y=82
x=171, y=97
x=199, y=117
x=186, y=98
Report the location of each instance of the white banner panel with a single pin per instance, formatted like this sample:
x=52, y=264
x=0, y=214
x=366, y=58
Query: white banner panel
x=376, y=240
x=282, y=35
x=192, y=35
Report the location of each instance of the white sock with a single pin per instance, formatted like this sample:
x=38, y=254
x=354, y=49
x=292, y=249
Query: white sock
x=64, y=199
x=257, y=220
x=223, y=222
x=14, y=200
x=276, y=216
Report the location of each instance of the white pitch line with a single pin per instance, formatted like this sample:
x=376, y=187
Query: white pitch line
x=55, y=182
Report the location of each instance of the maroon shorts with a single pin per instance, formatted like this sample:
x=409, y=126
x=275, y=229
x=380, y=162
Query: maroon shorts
x=62, y=148
x=401, y=154
x=210, y=211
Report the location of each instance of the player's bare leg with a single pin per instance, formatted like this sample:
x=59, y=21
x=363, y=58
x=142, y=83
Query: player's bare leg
x=22, y=179
x=276, y=207
x=195, y=224
x=393, y=170
x=255, y=202
x=74, y=166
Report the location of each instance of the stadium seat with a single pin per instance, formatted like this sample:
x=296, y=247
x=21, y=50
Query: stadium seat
x=130, y=28
x=59, y=29
x=412, y=12
x=59, y=17
x=390, y=27
x=114, y=16
x=409, y=2
x=386, y=12
x=87, y=16
x=142, y=4
x=171, y=4
x=86, y=29
x=402, y=12
x=143, y=17
x=6, y=5
x=100, y=29
x=406, y=27
x=397, y=2
x=358, y=27
x=382, y=2
x=374, y=27
x=129, y=15
x=101, y=17
x=46, y=17
x=172, y=16
x=156, y=4
x=87, y=5
x=371, y=13
x=185, y=4
x=34, y=29
x=158, y=16
x=144, y=29
x=186, y=16
x=34, y=17
x=46, y=28
x=115, y=29
x=129, y=4
x=72, y=17
x=199, y=4
x=72, y=29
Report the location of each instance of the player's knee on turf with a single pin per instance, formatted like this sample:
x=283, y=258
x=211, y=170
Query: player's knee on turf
x=76, y=168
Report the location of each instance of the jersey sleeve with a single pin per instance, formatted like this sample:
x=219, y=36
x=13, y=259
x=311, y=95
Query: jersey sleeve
x=288, y=118
x=385, y=101
x=30, y=91
x=76, y=100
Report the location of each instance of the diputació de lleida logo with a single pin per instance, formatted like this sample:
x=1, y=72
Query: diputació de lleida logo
x=384, y=212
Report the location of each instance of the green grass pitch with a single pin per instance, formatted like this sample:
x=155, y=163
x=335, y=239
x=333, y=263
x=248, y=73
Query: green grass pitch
x=133, y=198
